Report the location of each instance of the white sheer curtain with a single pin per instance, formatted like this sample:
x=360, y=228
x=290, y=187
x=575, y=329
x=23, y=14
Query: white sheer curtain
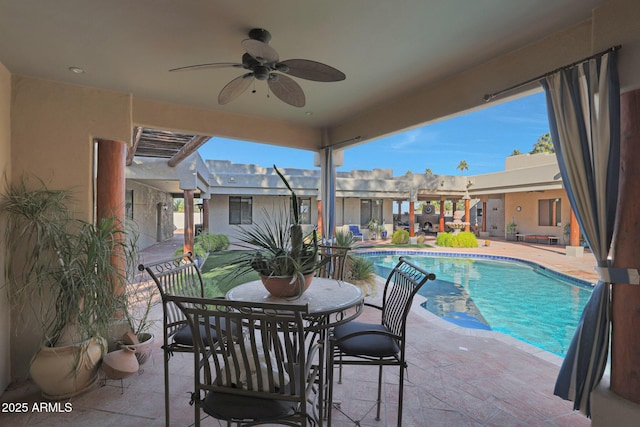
x=583, y=102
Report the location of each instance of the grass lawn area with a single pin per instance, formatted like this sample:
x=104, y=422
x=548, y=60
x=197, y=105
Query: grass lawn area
x=218, y=276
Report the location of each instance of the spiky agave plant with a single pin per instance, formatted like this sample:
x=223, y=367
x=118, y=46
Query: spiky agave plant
x=279, y=247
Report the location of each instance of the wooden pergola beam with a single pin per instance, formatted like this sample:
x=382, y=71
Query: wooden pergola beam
x=188, y=149
x=131, y=151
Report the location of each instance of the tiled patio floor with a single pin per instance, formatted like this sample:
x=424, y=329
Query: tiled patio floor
x=456, y=377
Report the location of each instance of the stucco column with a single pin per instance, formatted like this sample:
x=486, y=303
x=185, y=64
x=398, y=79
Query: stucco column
x=205, y=214
x=412, y=218
x=625, y=334
x=110, y=190
x=467, y=214
x=188, y=220
x=484, y=216
x=320, y=216
x=441, y=224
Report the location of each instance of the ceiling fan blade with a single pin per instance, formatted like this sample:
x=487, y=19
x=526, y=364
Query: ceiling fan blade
x=235, y=88
x=286, y=89
x=262, y=52
x=311, y=70
x=212, y=65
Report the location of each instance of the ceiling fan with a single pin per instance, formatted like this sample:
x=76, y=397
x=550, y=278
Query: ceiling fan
x=263, y=63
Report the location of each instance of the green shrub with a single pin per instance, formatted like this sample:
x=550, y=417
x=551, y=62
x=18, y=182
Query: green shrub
x=464, y=239
x=198, y=250
x=444, y=239
x=345, y=239
x=362, y=273
x=400, y=237
x=212, y=242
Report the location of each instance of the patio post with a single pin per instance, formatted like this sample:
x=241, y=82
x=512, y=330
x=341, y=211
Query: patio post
x=574, y=230
x=320, y=215
x=110, y=188
x=205, y=214
x=625, y=316
x=467, y=213
x=484, y=216
x=412, y=219
x=188, y=220
x=441, y=228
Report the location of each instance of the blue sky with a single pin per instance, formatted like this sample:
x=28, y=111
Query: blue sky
x=483, y=138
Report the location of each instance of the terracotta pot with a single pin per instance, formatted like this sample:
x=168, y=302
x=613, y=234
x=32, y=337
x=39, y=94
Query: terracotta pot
x=64, y=372
x=120, y=363
x=143, y=347
x=279, y=286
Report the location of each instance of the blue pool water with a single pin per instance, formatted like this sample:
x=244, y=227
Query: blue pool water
x=520, y=299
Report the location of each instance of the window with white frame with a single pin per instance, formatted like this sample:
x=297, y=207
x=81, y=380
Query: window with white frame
x=240, y=210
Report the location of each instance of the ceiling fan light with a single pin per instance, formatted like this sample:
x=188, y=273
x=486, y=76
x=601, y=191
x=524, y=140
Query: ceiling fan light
x=261, y=73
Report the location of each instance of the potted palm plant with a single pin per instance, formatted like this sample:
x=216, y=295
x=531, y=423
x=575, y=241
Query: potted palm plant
x=67, y=272
x=285, y=259
x=140, y=299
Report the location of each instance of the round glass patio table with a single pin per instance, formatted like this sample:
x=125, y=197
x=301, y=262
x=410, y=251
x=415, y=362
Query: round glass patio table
x=331, y=302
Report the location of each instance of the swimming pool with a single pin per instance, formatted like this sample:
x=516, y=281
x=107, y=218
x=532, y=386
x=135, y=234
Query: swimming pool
x=520, y=299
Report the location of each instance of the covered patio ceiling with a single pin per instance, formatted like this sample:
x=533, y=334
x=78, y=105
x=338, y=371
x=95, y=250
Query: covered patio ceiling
x=389, y=51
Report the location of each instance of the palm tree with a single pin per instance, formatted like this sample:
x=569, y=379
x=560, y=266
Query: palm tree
x=543, y=145
x=463, y=166
x=428, y=171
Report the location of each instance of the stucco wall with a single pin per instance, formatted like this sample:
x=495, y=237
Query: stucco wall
x=5, y=172
x=152, y=214
x=53, y=126
x=527, y=217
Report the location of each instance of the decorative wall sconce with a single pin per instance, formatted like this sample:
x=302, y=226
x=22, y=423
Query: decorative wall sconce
x=518, y=208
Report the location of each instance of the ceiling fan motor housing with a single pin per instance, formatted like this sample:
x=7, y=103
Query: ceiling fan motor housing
x=260, y=34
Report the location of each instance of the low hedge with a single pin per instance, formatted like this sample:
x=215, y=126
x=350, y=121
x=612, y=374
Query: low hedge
x=464, y=239
x=400, y=237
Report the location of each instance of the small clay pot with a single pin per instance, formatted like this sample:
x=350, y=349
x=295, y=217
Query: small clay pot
x=120, y=363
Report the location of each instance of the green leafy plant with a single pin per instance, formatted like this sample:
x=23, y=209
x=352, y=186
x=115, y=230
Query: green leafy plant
x=464, y=239
x=212, y=242
x=444, y=240
x=400, y=237
x=277, y=247
x=362, y=273
x=71, y=273
x=345, y=239
x=374, y=227
x=198, y=250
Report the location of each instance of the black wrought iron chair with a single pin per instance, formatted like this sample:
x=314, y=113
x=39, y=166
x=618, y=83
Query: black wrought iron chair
x=177, y=276
x=380, y=344
x=259, y=376
x=337, y=261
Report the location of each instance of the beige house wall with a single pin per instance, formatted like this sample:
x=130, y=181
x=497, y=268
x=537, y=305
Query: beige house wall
x=5, y=173
x=527, y=217
x=152, y=214
x=53, y=126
